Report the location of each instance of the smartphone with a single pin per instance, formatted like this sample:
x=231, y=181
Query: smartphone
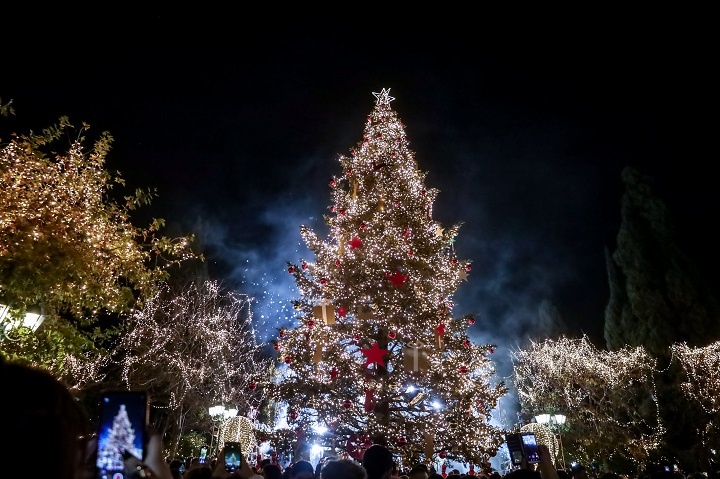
x=530, y=447
x=122, y=422
x=523, y=445
x=202, y=459
x=514, y=445
x=233, y=456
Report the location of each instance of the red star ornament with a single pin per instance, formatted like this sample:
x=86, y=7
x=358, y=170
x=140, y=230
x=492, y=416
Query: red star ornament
x=397, y=279
x=355, y=243
x=374, y=355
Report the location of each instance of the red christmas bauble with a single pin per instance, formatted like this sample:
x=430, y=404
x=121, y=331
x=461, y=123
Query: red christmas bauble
x=443, y=455
x=293, y=415
x=304, y=266
x=491, y=350
x=466, y=343
x=311, y=323
x=291, y=270
x=332, y=182
x=276, y=347
x=471, y=320
x=392, y=334
x=363, y=226
x=252, y=385
x=347, y=404
x=401, y=440
x=463, y=369
x=454, y=261
x=323, y=281
x=288, y=359
x=356, y=337
x=337, y=262
x=468, y=267
x=282, y=334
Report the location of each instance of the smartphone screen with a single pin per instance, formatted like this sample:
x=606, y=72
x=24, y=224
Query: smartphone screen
x=530, y=447
x=233, y=456
x=202, y=459
x=121, y=431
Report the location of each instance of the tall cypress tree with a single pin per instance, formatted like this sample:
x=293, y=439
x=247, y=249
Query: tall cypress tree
x=657, y=296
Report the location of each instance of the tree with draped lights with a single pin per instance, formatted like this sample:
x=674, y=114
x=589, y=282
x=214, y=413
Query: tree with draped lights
x=66, y=244
x=609, y=398
x=377, y=355
x=701, y=384
x=192, y=349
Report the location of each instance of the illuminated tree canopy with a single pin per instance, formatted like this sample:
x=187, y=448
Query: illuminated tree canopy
x=608, y=397
x=192, y=349
x=67, y=244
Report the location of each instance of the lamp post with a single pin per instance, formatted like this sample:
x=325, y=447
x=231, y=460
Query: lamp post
x=34, y=316
x=556, y=420
x=219, y=414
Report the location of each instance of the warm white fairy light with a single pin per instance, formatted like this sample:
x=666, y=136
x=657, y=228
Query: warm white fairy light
x=389, y=272
x=702, y=374
x=192, y=347
x=600, y=393
x=65, y=243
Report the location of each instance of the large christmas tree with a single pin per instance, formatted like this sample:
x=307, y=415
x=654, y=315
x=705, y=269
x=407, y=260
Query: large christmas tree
x=378, y=356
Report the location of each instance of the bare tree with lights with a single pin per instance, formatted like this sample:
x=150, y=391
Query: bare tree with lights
x=608, y=398
x=67, y=245
x=701, y=384
x=191, y=349
x=377, y=355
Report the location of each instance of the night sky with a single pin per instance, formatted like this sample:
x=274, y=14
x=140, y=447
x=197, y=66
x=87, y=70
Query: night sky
x=525, y=132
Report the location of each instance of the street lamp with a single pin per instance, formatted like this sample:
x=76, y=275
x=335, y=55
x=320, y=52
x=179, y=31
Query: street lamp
x=219, y=414
x=556, y=420
x=34, y=316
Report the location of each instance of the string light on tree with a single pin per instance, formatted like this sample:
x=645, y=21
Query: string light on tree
x=393, y=270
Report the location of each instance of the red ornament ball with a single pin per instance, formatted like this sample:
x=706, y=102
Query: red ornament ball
x=392, y=334
x=282, y=334
x=304, y=266
x=443, y=454
x=401, y=440
x=356, y=337
x=291, y=270
x=337, y=262
x=454, y=261
x=347, y=404
x=276, y=347
x=252, y=385
x=471, y=320
x=468, y=267
x=293, y=415
x=311, y=323
x=363, y=226
x=288, y=359
x=466, y=343
x=491, y=350
x=463, y=369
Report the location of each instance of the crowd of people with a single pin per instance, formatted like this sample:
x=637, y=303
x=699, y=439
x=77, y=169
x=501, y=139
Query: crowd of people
x=51, y=437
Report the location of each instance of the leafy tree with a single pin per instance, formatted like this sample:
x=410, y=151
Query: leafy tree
x=377, y=355
x=66, y=244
